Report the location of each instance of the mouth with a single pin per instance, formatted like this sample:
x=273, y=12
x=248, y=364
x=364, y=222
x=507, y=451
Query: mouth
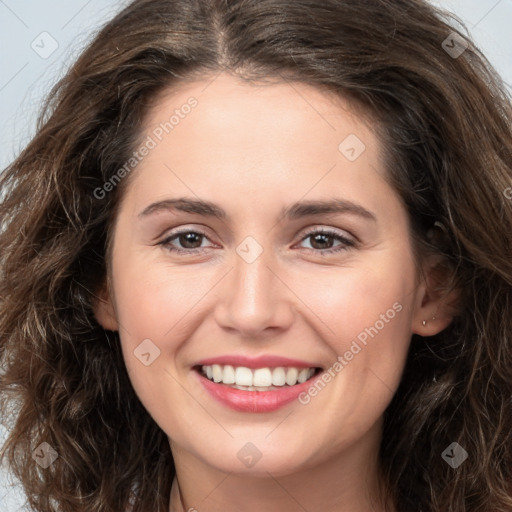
x=257, y=379
x=256, y=390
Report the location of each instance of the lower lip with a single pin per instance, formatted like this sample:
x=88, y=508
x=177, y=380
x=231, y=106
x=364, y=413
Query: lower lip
x=254, y=401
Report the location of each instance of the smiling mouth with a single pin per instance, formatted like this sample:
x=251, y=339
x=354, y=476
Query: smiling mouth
x=258, y=379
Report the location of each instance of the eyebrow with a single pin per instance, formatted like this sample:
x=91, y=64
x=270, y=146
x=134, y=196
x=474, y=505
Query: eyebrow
x=293, y=212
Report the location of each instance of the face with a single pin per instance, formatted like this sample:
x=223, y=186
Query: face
x=258, y=244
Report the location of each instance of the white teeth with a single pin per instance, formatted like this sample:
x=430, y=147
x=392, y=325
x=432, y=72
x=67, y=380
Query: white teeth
x=291, y=376
x=229, y=375
x=260, y=379
x=243, y=376
x=279, y=376
x=303, y=375
x=217, y=373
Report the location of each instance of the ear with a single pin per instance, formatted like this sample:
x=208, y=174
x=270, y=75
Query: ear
x=436, y=301
x=104, y=311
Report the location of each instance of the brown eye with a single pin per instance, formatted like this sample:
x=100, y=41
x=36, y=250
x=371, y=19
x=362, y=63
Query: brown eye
x=189, y=240
x=322, y=241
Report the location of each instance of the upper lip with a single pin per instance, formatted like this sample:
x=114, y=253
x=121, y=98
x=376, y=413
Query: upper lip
x=264, y=361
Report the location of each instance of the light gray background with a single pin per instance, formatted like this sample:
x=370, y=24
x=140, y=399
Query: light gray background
x=26, y=75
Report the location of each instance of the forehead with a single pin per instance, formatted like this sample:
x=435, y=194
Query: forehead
x=256, y=127
x=254, y=153
x=257, y=148
x=225, y=99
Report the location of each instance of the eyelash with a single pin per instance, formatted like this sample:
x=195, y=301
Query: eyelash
x=347, y=243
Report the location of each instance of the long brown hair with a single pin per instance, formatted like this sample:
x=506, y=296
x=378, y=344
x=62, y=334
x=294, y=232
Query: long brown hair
x=445, y=124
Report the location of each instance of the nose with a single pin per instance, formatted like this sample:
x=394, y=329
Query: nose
x=255, y=300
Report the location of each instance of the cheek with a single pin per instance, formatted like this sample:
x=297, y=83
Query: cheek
x=163, y=304
x=153, y=299
x=364, y=313
x=348, y=299
x=154, y=309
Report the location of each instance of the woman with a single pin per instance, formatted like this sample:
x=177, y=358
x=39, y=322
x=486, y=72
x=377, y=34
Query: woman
x=367, y=370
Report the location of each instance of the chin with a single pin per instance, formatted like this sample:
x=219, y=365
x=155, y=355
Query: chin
x=257, y=458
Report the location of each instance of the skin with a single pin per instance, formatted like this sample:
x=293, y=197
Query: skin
x=252, y=150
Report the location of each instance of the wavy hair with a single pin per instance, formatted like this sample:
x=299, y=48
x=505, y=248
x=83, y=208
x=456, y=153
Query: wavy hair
x=445, y=124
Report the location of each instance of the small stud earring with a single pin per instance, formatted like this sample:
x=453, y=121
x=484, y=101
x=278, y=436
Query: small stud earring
x=424, y=322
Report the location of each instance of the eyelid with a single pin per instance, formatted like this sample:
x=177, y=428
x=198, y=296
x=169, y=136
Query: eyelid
x=313, y=228
x=329, y=229
x=348, y=240
x=180, y=230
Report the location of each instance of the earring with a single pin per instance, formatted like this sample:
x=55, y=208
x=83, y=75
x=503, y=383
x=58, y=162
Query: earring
x=425, y=322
